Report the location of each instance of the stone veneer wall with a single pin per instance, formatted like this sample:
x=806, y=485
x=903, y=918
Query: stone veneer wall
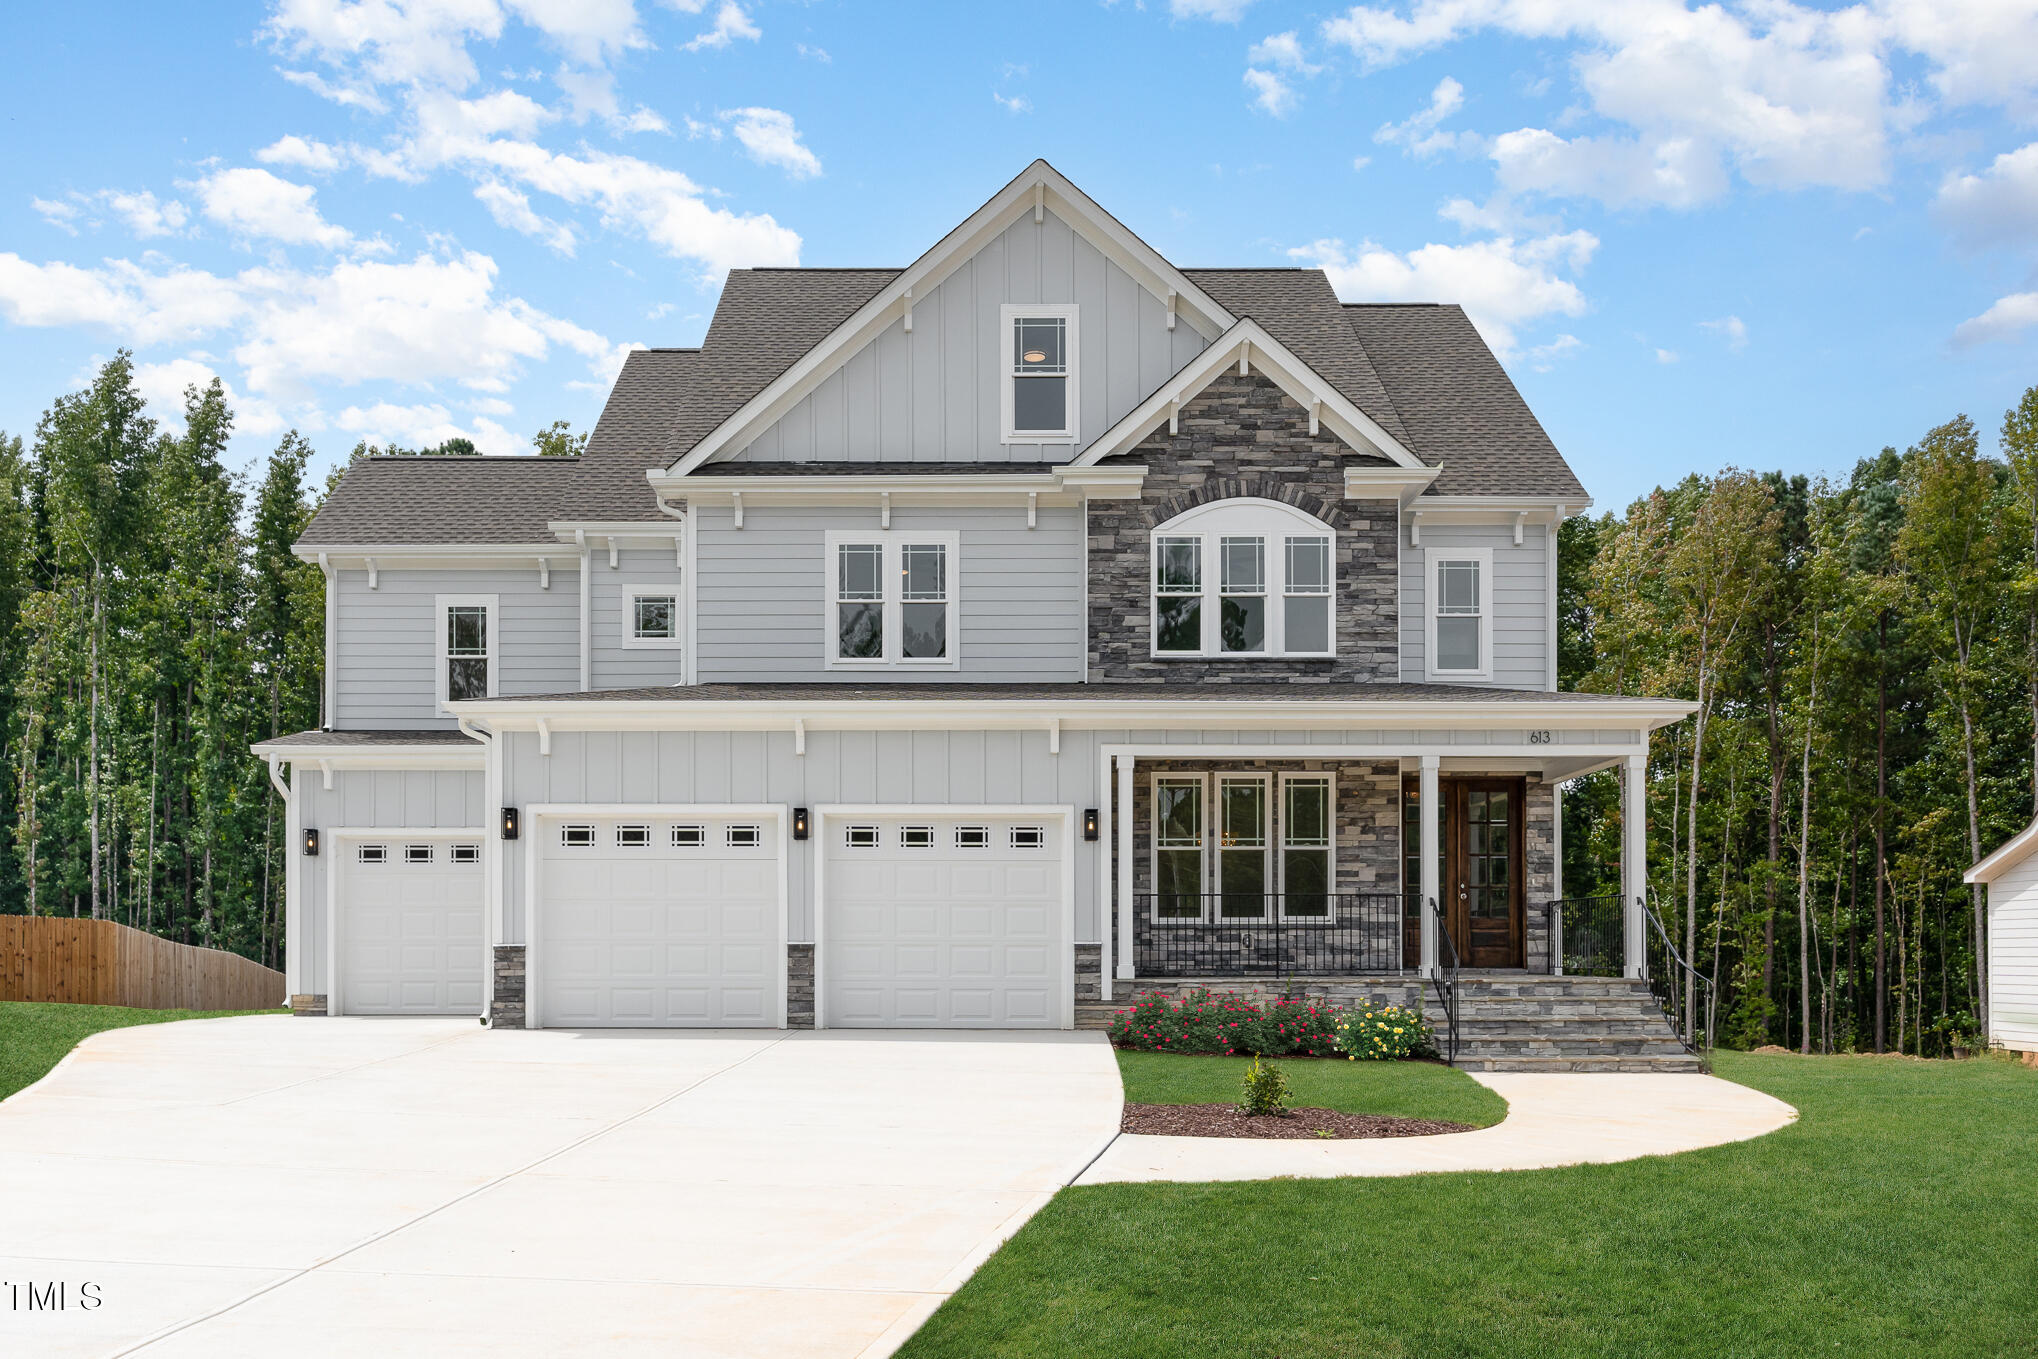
x=1539, y=870
x=506, y=1000
x=1244, y=437
x=308, y=1006
x=799, y=986
x=1089, y=958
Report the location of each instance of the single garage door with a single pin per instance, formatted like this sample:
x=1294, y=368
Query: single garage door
x=946, y=920
x=659, y=921
x=409, y=923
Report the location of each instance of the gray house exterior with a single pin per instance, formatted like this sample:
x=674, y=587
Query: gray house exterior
x=957, y=646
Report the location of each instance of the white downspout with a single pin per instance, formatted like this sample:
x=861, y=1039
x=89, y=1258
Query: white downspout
x=294, y=941
x=495, y=916
x=586, y=666
x=330, y=690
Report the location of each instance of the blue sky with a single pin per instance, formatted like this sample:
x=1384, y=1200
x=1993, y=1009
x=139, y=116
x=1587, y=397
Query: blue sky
x=1764, y=234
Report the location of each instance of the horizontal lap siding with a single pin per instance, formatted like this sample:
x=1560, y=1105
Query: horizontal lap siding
x=611, y=664
x=762, y=615
x=1520, y=601
x=2013, y=957
x=389, y=644
x=933, y=394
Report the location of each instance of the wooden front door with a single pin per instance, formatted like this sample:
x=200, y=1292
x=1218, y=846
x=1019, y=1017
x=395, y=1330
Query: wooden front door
x=1482, y=870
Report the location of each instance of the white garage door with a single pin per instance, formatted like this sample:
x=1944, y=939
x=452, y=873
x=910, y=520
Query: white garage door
x=409, y=923
x=947, y=920
x=658, y=921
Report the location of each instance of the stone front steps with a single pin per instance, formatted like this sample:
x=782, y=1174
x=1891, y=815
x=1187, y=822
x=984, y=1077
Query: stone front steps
x=1506, y=1022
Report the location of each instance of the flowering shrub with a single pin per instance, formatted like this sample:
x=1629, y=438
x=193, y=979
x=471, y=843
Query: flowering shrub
x=1383, y=1033
x=1265, y=1089
x=1200, y=1021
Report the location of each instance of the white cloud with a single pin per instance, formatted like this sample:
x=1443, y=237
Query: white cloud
x=2004, y=322
x=731, y=23
x=696, y=130
x=512, y=209
x=425, y=426
x=1361, y=162
x=1666, y=356
x=1219, y=11
x=254, y=203
x=819, y=54
x=145, y=214
x=345, y=95
x=1732, y=328
x=58, y=213
x=1779, y=93
x=137, y=305
x=1997, y=206
x=1018, y=103
x=1980, y=50
x=1271, y=93
x=1419, y=132
x=1502, y=284
x=1283, y=50
x=302, y=152
x=162, y=386
x=771, y=139
x=1544, y=357
x=400, y=42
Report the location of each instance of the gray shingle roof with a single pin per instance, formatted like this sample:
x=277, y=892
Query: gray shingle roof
x=1063, y=691
x=1298, y=308
x=1461, y=409
x=355, y=740
x=385, y=501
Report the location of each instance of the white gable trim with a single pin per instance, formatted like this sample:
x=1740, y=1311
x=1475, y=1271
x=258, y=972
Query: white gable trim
x=1040, y=185
x=1247, y=345
x=2013, y=852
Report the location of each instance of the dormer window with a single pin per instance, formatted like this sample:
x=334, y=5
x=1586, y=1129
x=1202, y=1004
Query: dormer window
x=1040, y=397
x=1244, y=578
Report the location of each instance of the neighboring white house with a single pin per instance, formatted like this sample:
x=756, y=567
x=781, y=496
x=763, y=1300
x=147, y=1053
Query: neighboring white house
x=2011, y=876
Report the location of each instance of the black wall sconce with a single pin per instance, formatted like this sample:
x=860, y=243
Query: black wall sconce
x=310, y=842
x=1090, y=824
x=799, y=823
x=509, y=823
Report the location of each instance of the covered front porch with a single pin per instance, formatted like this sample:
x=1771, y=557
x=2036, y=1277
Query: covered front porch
x=1316, y=861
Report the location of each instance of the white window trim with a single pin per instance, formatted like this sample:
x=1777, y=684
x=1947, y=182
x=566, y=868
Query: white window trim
x=1009, y=313
x=1282, y=844
x=627, y=623
x=1433, y=557
x=440, y=604
x=1153, y=846
x=1241, y=517
x=1269, y=828
x=892, y=540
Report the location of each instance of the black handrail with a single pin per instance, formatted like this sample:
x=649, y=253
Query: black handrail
x=1588, y=936
x=1244, y=934
x=1445, y=980
x=1666, y=983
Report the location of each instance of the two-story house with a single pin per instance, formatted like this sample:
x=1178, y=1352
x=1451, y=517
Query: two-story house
x=946, y=645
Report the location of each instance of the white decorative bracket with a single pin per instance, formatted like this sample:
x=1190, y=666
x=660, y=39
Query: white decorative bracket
x=325, y=767
x=679, y=550
x=1039, y=203
x=1414, y=529
x=1518, y=517
x=544, y=573
x=884, y=509
x=544, y=736
x=736, y=498
x=1245, y=353
x=1174, y=415
x=612, y=552
x=373, y=575
x=1171, y=309
x=1033, y=509
x=909, y=311
x=799, y=736
x=1054, y=736
x=1315, y=415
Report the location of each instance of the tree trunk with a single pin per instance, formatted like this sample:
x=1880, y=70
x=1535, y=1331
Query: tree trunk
x=1691, y=849
x=1964, y=643
x=92, y=783
x=1881, y=847
x=1804, y=853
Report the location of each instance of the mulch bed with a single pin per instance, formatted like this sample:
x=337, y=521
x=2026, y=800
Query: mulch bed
x=1221, y=1120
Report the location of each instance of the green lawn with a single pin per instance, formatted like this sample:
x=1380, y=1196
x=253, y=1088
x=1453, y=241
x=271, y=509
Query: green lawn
x=35, y=1037
x=1392, y=1089
x=1899, y=1216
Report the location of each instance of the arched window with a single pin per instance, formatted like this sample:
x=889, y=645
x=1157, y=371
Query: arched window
x=1244, y=577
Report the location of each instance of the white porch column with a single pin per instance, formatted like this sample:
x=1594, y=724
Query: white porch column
x=1429, y=851
x=1634, y=862
x=1123, y=819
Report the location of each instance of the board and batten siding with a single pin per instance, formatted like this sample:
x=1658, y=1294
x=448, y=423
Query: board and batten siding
x=1520, y=612
x=933, y=394
x=395, y=800
x=611, y=664
x=2013, y=957
x=761, y=612
x=385, y=663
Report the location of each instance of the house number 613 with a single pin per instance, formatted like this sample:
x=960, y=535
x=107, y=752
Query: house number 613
x=1539, y=738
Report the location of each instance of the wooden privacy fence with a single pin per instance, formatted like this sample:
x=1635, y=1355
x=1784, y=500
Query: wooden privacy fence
x=96, y=962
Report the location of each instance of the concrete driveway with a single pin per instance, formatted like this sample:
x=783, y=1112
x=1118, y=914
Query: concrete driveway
x=271, y=1185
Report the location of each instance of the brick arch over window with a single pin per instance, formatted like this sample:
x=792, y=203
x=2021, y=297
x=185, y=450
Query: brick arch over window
x=1252, y=486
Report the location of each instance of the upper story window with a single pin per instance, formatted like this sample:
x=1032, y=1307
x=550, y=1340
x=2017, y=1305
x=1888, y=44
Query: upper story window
x=891, y=599
x=1039, y=392
x=1459, y=617
x=650, y=616
x=467, y=646
x=1244, y=578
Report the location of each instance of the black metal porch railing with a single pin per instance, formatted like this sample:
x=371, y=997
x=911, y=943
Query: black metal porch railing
x=1685, y=993
x=1446, y=983
x=1234, y=934
x=1589, y=935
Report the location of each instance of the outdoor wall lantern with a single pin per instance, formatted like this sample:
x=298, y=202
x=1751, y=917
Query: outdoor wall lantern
x=311, y=842
x=509, y=823
x=799, y=823
x=1090, y=824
